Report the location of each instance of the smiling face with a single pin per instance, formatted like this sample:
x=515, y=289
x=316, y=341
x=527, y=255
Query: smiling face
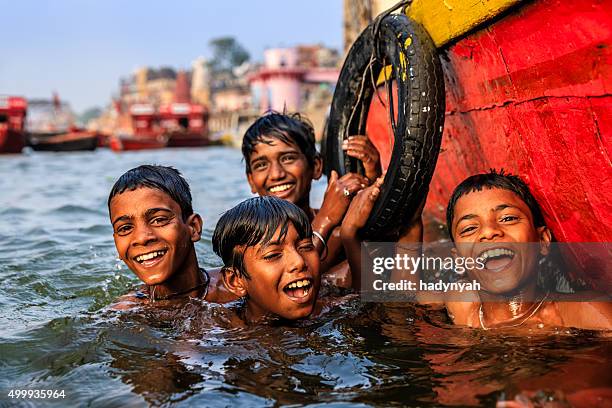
x=151, y=236
x=282, y=170
x=283, y=278
x=496, y=225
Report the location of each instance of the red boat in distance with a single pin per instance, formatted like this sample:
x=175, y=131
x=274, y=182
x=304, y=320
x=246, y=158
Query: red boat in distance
x=147, y=133
x=185, y=124
x=13, y=111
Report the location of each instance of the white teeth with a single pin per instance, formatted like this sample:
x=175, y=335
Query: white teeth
x=278, y=189
x=491, y=253
x=150, y=255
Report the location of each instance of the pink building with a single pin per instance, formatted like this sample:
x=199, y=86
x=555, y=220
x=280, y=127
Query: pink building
x=282, y=82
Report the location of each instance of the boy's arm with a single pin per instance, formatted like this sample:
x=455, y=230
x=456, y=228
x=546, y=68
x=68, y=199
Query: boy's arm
x=356, y=217
x=335, y=204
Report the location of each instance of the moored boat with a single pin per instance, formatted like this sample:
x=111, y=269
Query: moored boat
x=185, y=124
x=12, y=120
x=72, y=140
x=146, y=131
x=527, y=90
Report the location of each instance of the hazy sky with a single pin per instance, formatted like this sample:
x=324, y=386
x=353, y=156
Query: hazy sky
x=80, y=48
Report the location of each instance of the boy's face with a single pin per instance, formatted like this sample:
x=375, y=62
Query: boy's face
x=150, y=234
x=282, y=170
x=496, y=224
x=283, y=278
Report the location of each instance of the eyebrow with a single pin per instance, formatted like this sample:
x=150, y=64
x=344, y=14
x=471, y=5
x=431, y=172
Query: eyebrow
x=264, y=157
x=496, y=209
x=148, y=213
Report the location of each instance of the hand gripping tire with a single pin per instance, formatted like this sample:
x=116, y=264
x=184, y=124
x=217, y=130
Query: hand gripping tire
x=398, y=41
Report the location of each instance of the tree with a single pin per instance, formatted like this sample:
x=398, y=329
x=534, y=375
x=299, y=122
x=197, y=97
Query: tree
x=227, y=54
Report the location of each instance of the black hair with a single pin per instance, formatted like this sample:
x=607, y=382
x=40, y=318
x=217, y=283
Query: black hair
x=494, y=179
x=163, y=178
x=254, y=221
x=290, y=128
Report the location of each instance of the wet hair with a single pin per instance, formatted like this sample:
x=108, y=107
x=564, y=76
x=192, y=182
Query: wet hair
x=290, y=128
x=494, y=179
x=252, y=222
x=163, y=178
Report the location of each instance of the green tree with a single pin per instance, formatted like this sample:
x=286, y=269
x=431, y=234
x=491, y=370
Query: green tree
x=227, y=53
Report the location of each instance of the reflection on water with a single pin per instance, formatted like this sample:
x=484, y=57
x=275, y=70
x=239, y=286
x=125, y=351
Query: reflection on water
x=59, y=271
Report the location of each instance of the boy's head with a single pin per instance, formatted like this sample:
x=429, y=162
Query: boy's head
x=154, y=226
x=495, y=217
x=269, y=258
x=281, y=157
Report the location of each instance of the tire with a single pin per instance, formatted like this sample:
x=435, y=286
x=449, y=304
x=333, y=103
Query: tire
x=420, y=117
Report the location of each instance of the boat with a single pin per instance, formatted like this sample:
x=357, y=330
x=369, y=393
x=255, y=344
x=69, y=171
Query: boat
x=146, y=131
x=13, y=111
x=185, y=124
x=527, y=89
x=73, y=140
x=50, y=127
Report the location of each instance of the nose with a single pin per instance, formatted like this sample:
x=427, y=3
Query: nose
x=490, y=230
x=143, y=235
x=277, y=171
x=296, y=261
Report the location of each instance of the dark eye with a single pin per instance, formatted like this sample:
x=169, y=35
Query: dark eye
x=508, y=218
x=289, y=158
x=306, y=245
x=124, y=229
x=260, y=165
x=270, y=256
x=468, y=229
x=159, y=221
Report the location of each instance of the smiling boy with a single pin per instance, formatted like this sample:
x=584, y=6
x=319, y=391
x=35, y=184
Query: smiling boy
x=154, y=229
x=282, y=161
x=494, y=217
x=269, y=259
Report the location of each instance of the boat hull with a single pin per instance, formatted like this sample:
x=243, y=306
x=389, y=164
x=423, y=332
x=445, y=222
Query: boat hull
x=11, y=141
x=63, y=142
x=530, y=92
x=187, y=139
x=127, y=143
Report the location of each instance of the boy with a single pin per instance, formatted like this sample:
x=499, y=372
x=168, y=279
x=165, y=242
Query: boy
x=269, y=259
x=155, y=228
x=282, y=160
x=495, y=217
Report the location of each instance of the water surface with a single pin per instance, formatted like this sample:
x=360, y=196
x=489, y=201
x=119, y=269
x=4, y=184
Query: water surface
x=59, y=271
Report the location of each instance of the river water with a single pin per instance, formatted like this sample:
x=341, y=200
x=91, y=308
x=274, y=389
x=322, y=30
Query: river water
x=59, y=271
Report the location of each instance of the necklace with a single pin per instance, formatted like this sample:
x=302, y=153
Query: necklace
x=204, y=284
x=533, y=312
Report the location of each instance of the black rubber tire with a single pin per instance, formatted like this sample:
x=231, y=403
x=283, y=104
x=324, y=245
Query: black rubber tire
x=420, y=116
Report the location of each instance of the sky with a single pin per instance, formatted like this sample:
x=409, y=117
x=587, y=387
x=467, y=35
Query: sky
x=80, y=48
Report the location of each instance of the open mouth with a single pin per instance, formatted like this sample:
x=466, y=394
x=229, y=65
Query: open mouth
x=299, y=289
x=496, y=259
x=150, y=258
x=281, y=188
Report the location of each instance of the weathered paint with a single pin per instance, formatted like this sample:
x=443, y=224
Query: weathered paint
x=530, y=93
x=445, y=20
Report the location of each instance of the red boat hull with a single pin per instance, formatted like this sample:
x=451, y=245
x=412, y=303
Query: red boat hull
x=70, y=141
x=125, y=143
x=531, y=93
x=187, y=139
x=11, y=141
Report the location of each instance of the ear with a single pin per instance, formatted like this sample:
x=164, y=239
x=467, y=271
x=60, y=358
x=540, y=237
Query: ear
x=250, y=180
x=194, y=223
x=545, y=239
x=317, y=171
x=234, y=281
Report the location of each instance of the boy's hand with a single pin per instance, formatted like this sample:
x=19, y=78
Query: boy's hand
x=360, y=209
x=338, y=195
x=361, y=148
